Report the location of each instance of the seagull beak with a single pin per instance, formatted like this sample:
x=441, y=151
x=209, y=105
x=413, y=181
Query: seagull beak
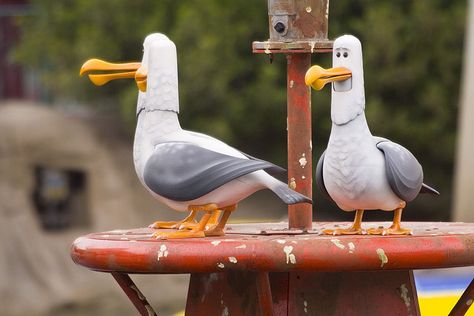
x=117, y=71
x=140, y=78
x=317, y=77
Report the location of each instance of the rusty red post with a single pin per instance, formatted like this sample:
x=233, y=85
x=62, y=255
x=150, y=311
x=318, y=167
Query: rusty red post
x=465, y=302
x=300, y=176
x=298, y=29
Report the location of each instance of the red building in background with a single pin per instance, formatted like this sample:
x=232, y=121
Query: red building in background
x=12, y=81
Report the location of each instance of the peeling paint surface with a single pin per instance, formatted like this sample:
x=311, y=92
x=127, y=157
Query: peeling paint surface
x=281, y=241
x=163, y=252
x=292, y=184
x=220, y=265
x=305, y=303
x=303, y=161
x=243, y=246
x=404, y=295
x=292, y=83
x=351, y=247
x=216, y=242
x=150, y=310
x=289, y=256
x=338, y=243
x=383, y=257
x=469, y=302
x=139, y=294
x=233, y=259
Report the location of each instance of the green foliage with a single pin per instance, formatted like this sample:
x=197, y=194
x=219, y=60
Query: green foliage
x=412, y=59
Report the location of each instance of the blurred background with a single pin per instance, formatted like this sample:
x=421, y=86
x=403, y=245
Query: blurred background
x=66, y=146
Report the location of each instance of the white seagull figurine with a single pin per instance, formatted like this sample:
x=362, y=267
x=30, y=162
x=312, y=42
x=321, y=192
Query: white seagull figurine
x=185, y=170
x=359, y=171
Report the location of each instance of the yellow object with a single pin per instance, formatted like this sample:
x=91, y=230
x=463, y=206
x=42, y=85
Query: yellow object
x=122, y=70
x=317, y=77
x=439, y=305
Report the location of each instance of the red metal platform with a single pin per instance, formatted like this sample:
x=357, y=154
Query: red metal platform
x=274, y=271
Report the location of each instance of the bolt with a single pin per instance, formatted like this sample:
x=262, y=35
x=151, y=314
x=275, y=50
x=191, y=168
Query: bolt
x=279, y=27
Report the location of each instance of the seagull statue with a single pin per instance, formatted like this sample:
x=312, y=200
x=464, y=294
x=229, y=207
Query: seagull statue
x=185, y=170
x=359, y=171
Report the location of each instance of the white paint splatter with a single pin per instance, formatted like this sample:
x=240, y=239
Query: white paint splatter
x=150, y=310
x=305, y=303
x=123, y=238
x=281, y=241
x=241, y=247
x=233, y=259
x=139, y=294
x=308, y=9
x=267, y=48
x=303, y=177
x=404, y=295
x=220, y=265
x=215, y=242
x=338, y=243
x=311, y=144
x=469, y=302
x=383, y=257
x=163, y=252
x=352, y=247
x=292, y=83
x=225, y=312
x=303, y=161
x=289, y=256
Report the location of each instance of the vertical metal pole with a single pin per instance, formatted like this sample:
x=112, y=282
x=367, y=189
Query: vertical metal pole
x=465, y=301
x=264, y=293
x=299, y=139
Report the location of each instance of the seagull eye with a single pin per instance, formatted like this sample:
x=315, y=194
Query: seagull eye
x=346, y=54
x=338, y=55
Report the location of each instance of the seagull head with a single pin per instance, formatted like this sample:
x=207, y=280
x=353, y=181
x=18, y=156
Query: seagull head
x=346, y=76
x=156, y=76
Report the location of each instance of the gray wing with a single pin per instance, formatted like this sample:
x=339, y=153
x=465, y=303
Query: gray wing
x=183, y=171
x=404, y=172
x=320, y=179
x=274, y=170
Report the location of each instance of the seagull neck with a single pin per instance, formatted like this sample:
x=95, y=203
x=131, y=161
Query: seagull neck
x=357, y=126
x=161, y=120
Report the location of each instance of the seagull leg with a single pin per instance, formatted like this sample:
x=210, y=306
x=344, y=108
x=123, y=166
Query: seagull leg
x=218, y=230
x=214, y=220
x=196, y=232
x=355, y=229
x=187, y=222
x=395, y=229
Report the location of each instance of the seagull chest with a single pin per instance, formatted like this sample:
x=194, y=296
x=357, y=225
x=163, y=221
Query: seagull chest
x=354, y=174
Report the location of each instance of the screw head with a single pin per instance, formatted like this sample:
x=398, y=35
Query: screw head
x=279, y=27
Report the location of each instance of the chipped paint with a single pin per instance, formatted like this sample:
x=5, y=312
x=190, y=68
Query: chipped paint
x=292, y=83
x=163, y=252
x=289, y=256
x=352, y=247
x=215, y=242
x=311, y=144
x=123, y=238
x=220, y=265
x=327, y=10
x=150, y=310
x=311, y=45
x=305, y=304
x=292, y=184
x=243, y=246
x=267, y=48
x=338, y=243
x=303, y=161
x=383, y=257
x=309, y=9
x=404, y=295
x=139, y=294
x=225, y=312
x=469, y=302
x=281, y=241
x=294, y=242
x=233, y=259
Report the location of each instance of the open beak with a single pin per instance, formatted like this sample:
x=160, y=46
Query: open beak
x=113, y=71
x=317, y=77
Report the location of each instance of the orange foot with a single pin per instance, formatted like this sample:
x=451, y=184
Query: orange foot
x=392, y=230
x=186, y=223
x=344, y=231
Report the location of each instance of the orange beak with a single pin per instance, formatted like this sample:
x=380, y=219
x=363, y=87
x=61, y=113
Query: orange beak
x=317, y=77
x=117, y=71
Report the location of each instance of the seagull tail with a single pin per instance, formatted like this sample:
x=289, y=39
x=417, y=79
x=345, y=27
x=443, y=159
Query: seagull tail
x=289, y=196
x=427, y=189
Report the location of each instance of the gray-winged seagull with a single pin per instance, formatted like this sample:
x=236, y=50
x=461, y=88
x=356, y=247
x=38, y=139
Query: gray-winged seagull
x=359, y=171
x=185, y=170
